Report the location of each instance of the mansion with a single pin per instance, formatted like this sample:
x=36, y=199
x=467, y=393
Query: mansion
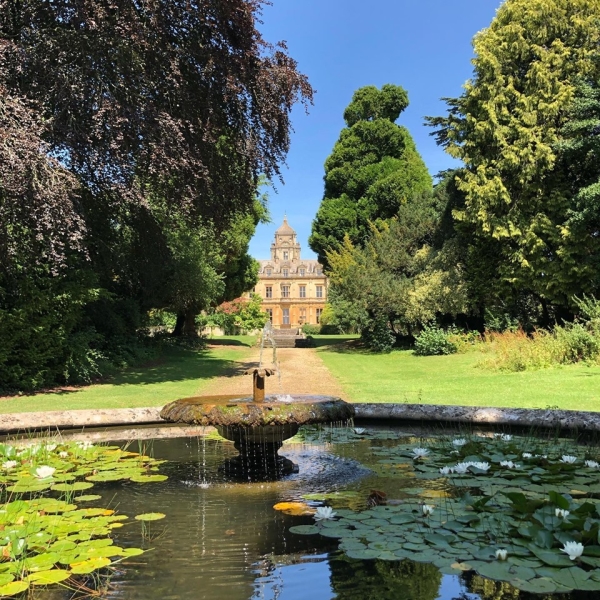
x=294, y=291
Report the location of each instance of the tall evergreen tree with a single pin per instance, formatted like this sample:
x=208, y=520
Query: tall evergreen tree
x=374, y=168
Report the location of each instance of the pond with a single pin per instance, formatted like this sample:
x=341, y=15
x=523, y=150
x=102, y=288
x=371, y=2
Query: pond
x=222, y=539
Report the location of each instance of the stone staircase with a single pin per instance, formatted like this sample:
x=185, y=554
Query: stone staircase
x=289, y=338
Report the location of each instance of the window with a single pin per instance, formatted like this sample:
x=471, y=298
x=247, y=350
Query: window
x=269, y=311
x=302, y=315
x=302, y=291
x=302, y=272
x=269, y=291
x=319, y=291
x=319, y=271
x=286, y=316
x=268, y=271
x=285, y=291
x=319, y=311
x=285, y=272
x=286, y=255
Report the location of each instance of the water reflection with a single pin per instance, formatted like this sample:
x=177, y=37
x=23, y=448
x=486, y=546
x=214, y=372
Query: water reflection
x=223, y=540
x=382, y=580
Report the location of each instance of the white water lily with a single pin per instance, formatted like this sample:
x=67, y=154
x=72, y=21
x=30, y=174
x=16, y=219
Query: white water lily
x=420, y=453
x=509, y=464
x=44, y=472
x=63, y=454
x=446, y=470
x=51, y=447
x=9, y=464
x=427, y=509
x=573, y=549
x=461, y=468
x=566, y=458
x=561, y=513
x=323, y=513
x=527, y=455
x=459, y=442
x=359, y=430
x=85, y=445
x=505, y=437
x=592, y=464
x=484, y=466
x=501, y=554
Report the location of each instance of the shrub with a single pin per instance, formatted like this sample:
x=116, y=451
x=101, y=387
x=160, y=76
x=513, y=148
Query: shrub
x=577, y=343
x=329, y=330
x=518, y=351
x=378, y=336
x=463, y=340
x=434, y=341
x=309, y=329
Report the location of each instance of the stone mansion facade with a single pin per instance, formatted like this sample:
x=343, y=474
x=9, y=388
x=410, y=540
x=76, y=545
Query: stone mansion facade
x=294, y=291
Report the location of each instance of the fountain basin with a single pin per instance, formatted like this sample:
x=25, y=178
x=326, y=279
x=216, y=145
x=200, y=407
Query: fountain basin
x=226, y=412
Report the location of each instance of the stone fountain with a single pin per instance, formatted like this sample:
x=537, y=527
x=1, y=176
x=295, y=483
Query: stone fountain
x=258, y=425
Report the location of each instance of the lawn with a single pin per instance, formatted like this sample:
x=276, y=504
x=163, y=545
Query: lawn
x=403, y=377
x=177, y=374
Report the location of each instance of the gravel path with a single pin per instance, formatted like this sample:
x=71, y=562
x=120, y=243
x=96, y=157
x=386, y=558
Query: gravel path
x=302, y=372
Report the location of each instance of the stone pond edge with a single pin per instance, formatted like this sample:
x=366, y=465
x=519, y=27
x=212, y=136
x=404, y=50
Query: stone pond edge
x=421, y=413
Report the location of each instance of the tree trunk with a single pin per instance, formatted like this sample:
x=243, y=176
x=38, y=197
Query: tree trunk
x=186, y=324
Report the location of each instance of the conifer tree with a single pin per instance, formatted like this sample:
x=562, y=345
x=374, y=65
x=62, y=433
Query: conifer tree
x=374, y=169
x=508, y=128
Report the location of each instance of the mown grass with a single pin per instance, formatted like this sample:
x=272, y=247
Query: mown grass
x=456, y=379
x=179, y=373
x=365, y=377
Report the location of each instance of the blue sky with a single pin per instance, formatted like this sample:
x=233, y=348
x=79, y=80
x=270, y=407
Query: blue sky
x=341, y=45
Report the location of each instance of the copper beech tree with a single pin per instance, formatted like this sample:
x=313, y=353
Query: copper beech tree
x=108, y=105
x=183, y=97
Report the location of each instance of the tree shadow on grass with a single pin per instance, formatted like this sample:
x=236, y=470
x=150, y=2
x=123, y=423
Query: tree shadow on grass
x=180, y=364
x=342, y=346
x=227, y=342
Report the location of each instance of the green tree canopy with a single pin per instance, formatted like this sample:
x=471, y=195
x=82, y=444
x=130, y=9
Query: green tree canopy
x=513, y=129
x=400, y=277
x=374, y=168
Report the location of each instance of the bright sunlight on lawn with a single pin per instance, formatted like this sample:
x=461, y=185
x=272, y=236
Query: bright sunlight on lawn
x=455, y=379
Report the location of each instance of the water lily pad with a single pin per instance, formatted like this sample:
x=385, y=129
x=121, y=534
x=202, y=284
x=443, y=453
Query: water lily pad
x=89, y=566
x=13, y=588
x=539, y=585
x=150, y=517
x=61, y=546
x=333, y=532
x=78, y=486
x=48, y=577
x=108, y=476
x=128, y=552
x=366, y=554
x=305, y=529
x=148, y=478
x=87, y=498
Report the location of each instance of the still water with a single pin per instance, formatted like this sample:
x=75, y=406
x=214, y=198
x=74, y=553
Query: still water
x=223, y=540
